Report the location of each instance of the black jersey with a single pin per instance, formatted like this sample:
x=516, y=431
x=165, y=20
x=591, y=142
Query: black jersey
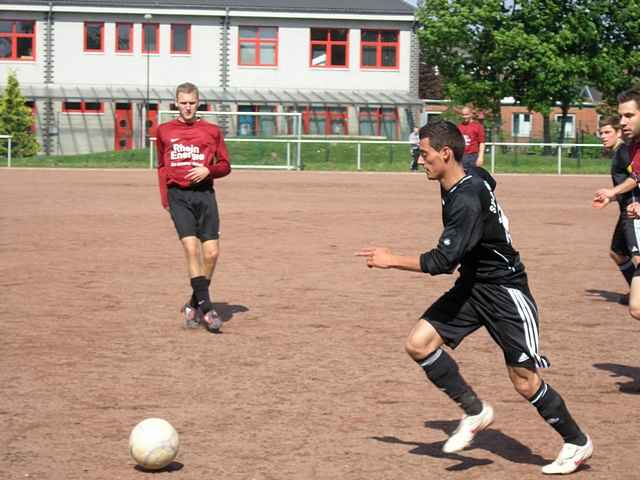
x=475, y=237
x=620, y=171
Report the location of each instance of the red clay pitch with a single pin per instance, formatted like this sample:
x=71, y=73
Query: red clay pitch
x=309, y=379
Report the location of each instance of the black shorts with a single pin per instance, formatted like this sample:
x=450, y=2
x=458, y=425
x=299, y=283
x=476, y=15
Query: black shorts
x=509, y=314
x=626, y=236
x=195, y=212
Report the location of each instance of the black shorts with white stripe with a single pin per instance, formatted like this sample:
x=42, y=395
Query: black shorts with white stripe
x=626, y=236
x=508, y=312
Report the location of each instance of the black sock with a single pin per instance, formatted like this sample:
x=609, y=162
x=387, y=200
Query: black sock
x=194, y=301
x=200, y=287
x=443, y=372
x=552, y=408
x=627, y=269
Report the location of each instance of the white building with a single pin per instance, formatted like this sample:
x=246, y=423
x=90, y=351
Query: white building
x=88, y=68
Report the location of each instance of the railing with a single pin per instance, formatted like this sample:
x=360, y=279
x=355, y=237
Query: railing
x=298, y=143
x=559, y=146
x=361, y=153
x=8, y=139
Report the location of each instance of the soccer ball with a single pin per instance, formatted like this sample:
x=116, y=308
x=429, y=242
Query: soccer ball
x=153, y=443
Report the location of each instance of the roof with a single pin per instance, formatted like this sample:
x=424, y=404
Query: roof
x=136, y=93
x=382, y=7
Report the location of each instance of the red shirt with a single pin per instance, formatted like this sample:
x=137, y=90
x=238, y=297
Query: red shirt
x=182, y=146
x=634, y=155
x=473, y=134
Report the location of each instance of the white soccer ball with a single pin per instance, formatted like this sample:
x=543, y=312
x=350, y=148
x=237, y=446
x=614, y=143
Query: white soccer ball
x=153, y=443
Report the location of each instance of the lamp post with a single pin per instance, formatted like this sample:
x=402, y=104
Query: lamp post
x=147, y=17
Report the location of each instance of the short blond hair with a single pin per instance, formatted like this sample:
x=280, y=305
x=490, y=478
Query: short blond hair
x=187, y=87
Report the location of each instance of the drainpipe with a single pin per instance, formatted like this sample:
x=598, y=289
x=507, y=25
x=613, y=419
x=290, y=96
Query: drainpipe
x=49, y=115
x=224, y=68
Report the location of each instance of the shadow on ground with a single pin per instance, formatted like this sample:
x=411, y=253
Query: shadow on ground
x=632, y=387
x=227, y=311
x=490, y=440
x=172, y=467
x=607, y=296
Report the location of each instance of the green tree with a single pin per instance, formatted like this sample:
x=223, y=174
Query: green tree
x=616, y=64
x=541, y=52
x=16, y=120
x=459, y=37
x=549, y=48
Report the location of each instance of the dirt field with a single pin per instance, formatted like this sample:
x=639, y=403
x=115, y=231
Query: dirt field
x=309, y=379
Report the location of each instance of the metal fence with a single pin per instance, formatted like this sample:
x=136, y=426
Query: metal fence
x=8, y=139
x=500, y=157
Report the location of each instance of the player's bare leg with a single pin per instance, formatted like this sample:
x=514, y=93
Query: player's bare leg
x=577, y=446
x=201, y=259
x=189, y=311
x=192, y=254
x=424, y=345
x=210, y=254
x=634, y=298
x=627, y=267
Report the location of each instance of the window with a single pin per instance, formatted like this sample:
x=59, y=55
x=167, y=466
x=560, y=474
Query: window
x=325, y=121
x=94, y=36
x=17, y=40
x=381, y=122
x=150, y=38
x=426, y=117
x=329, y=47
x=254, y=125
x=521, y=126
x=181, y=38
x=379, y=48
x=569, y=126
x=83, y=107
x=124, y=37
x=258, y=46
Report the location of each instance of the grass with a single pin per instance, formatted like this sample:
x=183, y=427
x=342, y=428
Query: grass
x=338, y=157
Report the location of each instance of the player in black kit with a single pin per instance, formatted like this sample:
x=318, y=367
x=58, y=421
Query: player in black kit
x=625, y=243
x=491, y=292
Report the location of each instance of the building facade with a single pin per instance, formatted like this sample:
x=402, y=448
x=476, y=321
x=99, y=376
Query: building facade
x=96, y=73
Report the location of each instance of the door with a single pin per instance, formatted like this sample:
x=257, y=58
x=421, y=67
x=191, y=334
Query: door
x=123, y=127
x=152, y=120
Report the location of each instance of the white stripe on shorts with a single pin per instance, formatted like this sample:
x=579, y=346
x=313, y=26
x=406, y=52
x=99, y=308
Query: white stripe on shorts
x=636, y=231
x=525, y=309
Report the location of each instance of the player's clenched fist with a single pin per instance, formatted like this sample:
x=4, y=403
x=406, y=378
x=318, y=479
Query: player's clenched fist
x=378, y=257
x=633, y=210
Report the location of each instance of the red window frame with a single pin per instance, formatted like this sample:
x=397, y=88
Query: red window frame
x=378, y=114
x=86, y=37
x=329, y=114
x=144, y=43
x=129, y=26
x=328, y=43
x=188, y=50
x=83, y=107
x=257, y=41
x=13, y=37
x=379, y=44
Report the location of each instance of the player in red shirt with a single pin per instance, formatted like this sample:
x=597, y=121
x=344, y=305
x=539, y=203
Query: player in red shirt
x=191, y=153
x=473, y=133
